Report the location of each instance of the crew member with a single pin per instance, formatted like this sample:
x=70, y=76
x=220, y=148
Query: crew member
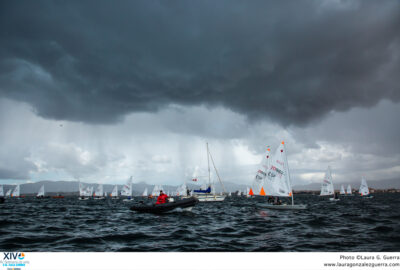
x=162, y=198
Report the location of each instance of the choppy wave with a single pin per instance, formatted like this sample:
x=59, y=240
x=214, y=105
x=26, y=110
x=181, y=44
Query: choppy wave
x=237, y=224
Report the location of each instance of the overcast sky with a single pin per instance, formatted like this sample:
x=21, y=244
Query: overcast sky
x=102, y=90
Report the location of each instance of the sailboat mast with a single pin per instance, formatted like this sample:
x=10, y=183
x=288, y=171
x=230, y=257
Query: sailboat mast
x=208, y=162
x=287, y=171
x=216, y=171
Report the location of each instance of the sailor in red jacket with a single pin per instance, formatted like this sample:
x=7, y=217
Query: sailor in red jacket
x=162, y=198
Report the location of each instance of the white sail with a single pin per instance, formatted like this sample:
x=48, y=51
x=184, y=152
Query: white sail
x=114, y=192
x=1, y=191
x=82, y=190
x=259, y=179
x=99, y=191
x=342, y=192
x=41, y=192
x=16, y=192
x=364, y=191
x=230, y=193
x=277, y=182
x=327, y=184
x=349, y=190
x=145, y=192
x=8, y=194
x=181, y=190
x=155, y=190
x=89, y=191
x=127, y=189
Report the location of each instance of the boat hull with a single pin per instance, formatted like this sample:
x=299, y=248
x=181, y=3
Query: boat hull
x=286, y=206
x=210, y=198
x=165, y=207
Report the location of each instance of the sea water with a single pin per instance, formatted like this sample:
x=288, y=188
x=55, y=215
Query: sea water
x=237, y=224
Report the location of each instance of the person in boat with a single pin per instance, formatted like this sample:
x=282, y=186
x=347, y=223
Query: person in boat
x=187, y=192
x=163, y=198
x=270, y=199
x=336, y=195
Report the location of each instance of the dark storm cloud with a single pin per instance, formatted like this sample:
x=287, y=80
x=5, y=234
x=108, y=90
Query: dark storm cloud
x=293, y=61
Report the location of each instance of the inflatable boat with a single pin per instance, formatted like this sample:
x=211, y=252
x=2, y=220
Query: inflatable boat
x=165, y=207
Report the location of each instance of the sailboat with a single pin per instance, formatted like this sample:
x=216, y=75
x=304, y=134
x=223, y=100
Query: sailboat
x=127, y=190
x=327, y=186
x=8, y=193
x=83, y=193
x=155, y=191
x=259, y=179
x=145, y=193
x=278, y=183
x=209, y=194
x=182, y=191
x=16, y=192
x=114, y=193
x=348, y=191
x=342, y=192
x=99, y=193
x=41, y=192
x=364, y=190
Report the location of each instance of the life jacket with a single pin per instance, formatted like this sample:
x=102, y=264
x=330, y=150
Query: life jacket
x=162, y=199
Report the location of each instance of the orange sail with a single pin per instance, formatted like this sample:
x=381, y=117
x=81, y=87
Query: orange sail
x=262, y=192
x=251, y=192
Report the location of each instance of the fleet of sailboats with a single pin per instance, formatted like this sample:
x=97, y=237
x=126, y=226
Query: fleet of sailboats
x=272, y=179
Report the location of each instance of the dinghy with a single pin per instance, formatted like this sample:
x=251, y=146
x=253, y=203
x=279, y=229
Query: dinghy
x=186, y=204
x=8, y=193
x=83, y=193
x=41, y=192
x=327, y=186
x=144, y=193
x=348, y=191
x=342, y=192
x=364, y=190
x=277, y=182
x=16, y=192
x=99, y=193
x=127, y=190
